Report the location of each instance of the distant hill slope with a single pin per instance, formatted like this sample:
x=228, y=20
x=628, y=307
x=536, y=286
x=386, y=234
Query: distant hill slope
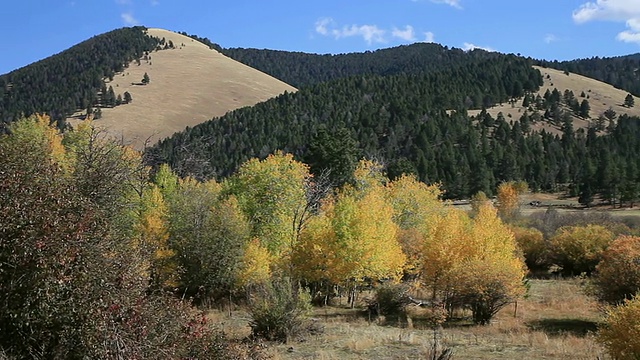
x=601, y=96
x=188, y=85
x=623, y=72
x=303, y=69
x=70, y=80
x=399, y=118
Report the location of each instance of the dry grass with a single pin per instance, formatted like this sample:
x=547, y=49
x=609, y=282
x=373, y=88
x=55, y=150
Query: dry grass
x=189, y=85
x=601, y=97
x=556, y=321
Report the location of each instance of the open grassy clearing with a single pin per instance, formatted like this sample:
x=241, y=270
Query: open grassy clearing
x=556, y=321
x=601, y=96
x=189, y=85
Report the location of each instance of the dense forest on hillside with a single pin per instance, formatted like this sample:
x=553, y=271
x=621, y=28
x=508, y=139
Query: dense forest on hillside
x=302, y=69
x=621, y=71
x=71, y=80
x=401, y=119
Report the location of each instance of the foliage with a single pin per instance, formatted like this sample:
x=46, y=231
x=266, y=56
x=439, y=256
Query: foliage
x=153, y=230
x=353, y=237
x=208, y=233
x=578, y=249
x=509, y=200
x=73, y=283
x=279, y=311
x=473, y=262
x=268, y=192
x=533, y=246
x=617, y=276
x=620, y=334
x=416, y=206
x=256, y=264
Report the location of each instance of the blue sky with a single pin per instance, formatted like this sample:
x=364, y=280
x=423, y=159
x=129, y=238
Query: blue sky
x=549, y=29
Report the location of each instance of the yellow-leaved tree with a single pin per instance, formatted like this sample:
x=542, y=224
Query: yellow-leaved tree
x=533, y=245
x=153, y=228
x=353, y=238
x=578, y=249
x=509, y=199
x=620, y=333
x=496, y=270
x=474, y=263
x=416, y=208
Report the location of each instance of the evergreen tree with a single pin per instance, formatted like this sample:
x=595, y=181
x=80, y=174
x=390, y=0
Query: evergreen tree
x=629, y=101
x=584, y=109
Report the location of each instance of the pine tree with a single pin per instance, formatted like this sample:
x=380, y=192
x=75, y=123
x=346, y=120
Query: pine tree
x=629, y=101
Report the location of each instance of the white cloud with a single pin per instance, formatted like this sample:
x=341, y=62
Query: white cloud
x=370, y=33
x=614, y=10
x=549, y=38
x=321, y=26
x=454, y=3
x=407, y=34
x=429, y=37
x=469, y=47
x=129, y=19
x=155, y=2
x=627, y=11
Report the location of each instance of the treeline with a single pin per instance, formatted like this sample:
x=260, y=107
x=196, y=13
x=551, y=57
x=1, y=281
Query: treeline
x=620, y=71
x=71, y=80
x=303, y=69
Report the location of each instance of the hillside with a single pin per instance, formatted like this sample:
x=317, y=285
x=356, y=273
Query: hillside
x=303, y=69
x=188, y=85
x=619, y=71
x=70, y=80
x=601, y=96
x=400, y=119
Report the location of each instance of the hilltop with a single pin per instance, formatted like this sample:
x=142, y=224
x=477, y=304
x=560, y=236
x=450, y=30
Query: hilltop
x=189, y=84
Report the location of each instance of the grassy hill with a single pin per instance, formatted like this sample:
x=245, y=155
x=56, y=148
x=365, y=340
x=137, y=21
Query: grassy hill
x=601, y=96
x=189, y=84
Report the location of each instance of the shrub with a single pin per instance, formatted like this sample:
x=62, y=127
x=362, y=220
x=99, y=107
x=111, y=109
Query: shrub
x=620, y=334
x=390, y=300
x=279, y=311
x=617, y=277
x=534, y=248
x=578, y=249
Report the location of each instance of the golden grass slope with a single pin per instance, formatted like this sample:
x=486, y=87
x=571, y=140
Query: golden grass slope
x=601, y=97
x=189, y=85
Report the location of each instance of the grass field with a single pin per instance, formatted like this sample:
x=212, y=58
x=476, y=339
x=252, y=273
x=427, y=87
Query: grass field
x=555, y=321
